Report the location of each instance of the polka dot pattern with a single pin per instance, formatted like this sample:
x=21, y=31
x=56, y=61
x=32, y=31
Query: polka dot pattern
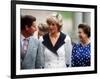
x=81, y=55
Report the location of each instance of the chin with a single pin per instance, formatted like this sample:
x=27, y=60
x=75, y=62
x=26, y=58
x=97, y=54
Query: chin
x=31, y=34
x=52, y=32
x=81, y=40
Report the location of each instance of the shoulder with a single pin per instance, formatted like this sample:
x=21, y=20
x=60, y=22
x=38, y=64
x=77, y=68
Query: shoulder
x=44, y=37
x=67, y=38
x=41, y=38
x=34, y=40
x=76, y=45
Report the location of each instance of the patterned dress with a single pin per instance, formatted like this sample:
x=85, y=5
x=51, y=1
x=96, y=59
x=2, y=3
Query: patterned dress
x=81, y=55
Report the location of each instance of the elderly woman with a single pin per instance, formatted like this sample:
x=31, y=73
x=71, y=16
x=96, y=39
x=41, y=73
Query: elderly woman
x=56, y=47
x=81, y=51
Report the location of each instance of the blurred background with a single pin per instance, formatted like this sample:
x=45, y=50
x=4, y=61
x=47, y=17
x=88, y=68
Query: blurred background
x=71, y=20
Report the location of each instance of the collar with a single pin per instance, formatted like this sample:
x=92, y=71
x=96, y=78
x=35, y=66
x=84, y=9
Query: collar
x=46, y=42
x=85, y=44
x=22, y=37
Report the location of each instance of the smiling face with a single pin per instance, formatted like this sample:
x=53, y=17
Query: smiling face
x=84, y=32
x=54, y=22
x=53, y=28
x=82, y=35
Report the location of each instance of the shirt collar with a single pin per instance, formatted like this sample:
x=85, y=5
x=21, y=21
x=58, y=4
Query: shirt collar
x=85, y=44
x=22, y=37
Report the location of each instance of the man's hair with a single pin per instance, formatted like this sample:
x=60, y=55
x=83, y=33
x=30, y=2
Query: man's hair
x=86, y=29
x=27, y=20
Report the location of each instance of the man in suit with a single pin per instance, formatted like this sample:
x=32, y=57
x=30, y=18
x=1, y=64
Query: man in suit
x=29, y=45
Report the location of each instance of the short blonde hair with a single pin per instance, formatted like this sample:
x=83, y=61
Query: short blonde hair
x=55, y=18
x=43, y=27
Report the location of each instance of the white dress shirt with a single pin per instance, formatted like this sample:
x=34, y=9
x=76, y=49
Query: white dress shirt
x=24, y=46
x=22, y=39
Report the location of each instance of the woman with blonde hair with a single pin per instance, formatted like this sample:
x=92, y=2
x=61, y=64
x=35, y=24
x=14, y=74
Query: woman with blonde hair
x=56, y=47
x=42, y=29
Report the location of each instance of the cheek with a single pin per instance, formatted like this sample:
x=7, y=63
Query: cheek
x=82, y=35
x=55, y=27
x=33, y=29
x=30, y=30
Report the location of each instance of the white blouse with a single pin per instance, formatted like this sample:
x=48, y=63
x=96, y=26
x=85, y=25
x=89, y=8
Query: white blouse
x=51, y=60
x=55, y=61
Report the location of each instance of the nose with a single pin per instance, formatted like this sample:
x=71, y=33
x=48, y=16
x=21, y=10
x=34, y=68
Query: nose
x=50, y=26
x=35, y=28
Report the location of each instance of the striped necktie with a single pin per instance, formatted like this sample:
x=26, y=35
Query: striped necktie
x=24, y=48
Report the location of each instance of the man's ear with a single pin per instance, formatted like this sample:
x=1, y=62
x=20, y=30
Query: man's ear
x=26, y=27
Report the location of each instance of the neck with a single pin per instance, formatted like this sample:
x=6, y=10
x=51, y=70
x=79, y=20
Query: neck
x=25, y=34
x=86, y=41
x=54, y=35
